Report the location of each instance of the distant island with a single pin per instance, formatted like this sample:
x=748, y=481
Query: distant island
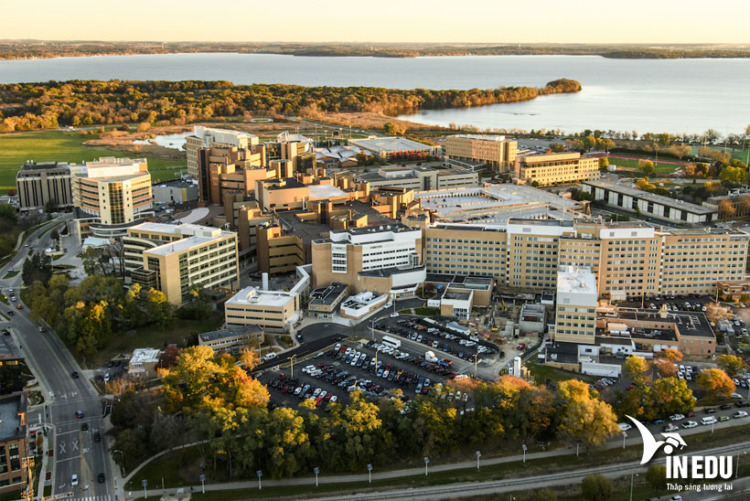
x=49, y=105
x=37, y=49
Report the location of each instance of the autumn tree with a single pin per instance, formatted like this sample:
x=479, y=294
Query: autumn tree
x=731, y=364
x=727, y=209
x=644, y=184
x=716, y=312
x=603, y=164
x=716, y=383
x=393, y=129
x=646, y=167
x=635, y=368
x=583, y=416
x=670, y=395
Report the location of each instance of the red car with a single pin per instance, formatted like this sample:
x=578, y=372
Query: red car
x=690, y=414
x=20, y=307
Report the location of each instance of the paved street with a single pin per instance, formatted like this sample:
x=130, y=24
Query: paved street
x=74, y=450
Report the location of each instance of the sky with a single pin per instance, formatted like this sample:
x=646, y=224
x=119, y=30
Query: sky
x=434, y=21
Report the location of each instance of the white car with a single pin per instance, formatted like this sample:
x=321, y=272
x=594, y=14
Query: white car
x=74, y=480
x=624, y=426
x=269, y=356
x=689, y=424
x=739, y=414
x=670, y=427
x=676, y=417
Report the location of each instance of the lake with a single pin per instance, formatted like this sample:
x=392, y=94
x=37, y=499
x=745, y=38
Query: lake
x=673, y=95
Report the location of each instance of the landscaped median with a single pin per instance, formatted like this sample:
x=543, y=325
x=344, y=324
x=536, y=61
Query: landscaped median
x=174, y=467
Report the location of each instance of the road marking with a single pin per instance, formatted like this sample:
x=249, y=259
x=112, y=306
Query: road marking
x=75, y=445
x=68, y=459
x=62, y=447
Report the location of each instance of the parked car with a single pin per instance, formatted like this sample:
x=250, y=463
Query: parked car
x=689, y=424
x=676, y=417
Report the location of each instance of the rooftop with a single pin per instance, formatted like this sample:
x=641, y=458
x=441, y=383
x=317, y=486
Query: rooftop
x=561, y=352
x=179, y=229
x=480, y=137
x=31, y=165
x=394, y=227
x=230, y=332
x=183, y=245
x=256, y=296
x=454, y=295
x=387, y=272
x=390, y=144
x=688, y=323
x=10, y=423
x=327, y=296
x=286, y=183
x=325, y=191
x=576, y=280
x=644, y=195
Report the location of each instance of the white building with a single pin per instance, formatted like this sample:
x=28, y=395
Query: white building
x=576, y=305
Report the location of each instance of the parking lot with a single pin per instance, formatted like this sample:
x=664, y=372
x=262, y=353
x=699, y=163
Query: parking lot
x=367, y=366
x=435, y=337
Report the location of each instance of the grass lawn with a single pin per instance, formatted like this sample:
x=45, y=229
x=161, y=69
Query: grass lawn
x=182, y=468
x=427, y=312
x=64, y=146
x=543, y=372
x=153, y=336
x=659, y=167
x=11, y=274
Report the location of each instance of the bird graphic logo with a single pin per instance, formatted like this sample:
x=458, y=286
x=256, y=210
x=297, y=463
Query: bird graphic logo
x=671, y=442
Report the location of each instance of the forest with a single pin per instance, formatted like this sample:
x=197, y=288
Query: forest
x=31, y=106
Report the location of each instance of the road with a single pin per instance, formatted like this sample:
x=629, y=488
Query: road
x=75, y=451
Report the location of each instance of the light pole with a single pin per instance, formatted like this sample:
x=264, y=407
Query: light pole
x=737, y=466
x=578, y=444
x=426, y=462
x=372, y=329
x=316, y=470
x=476, y=356
x=291, y=366
x=479, y=455
x=376, y=360
x=260, y=475
x=369, y=473
x=524, y=452
x=144, y=482
x=203, y=484
x=624, y=436
x=632, y=476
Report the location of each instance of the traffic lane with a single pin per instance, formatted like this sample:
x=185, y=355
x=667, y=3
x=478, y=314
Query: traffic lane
x=316, y=332
x=305, y=349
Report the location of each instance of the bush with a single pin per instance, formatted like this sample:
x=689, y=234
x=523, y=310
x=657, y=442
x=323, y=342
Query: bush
x=596, y=488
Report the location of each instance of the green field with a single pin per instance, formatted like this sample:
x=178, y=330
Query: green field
x=660, y=167
x=62, y=146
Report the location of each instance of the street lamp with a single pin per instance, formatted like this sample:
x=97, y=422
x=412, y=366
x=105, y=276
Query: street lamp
x=737, y=466
x=632, y=476
x=203, y=484
x=144, y=483
x=369, y=473
x=479, y=455
x=624, y=436
x=524, y=452
x=260, y=474
x=376, y=359
x=292, y=365
x=316, y=470
x=426, y=462
x=578, y=444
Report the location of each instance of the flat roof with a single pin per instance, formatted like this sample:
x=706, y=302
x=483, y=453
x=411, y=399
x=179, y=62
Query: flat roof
x=327, y=295
x=230, y=332
x=387, y=272
x=651, y=197
x=481, y=137
x=43, y=165
x=11, y=426
x=390, y=144
x=141, y=355
x=180, y=245
x=688, y=323
x=576, y=280
x=454, y=295
x=255, y=296
x=286, y=183
x=323, y=191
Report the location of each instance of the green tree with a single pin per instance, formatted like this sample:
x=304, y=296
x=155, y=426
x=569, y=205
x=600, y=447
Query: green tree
x=36, y=267
x=545, y=494
x=732, y=364
x=8, y=213
x=158, y=308
x=596, y=488
x=671, y=395
x=656, y=476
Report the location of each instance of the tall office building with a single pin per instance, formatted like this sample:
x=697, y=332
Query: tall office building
x=496, y=152
x=575, y=309
x=555, y=168
x=206, y=137
x=39, y=184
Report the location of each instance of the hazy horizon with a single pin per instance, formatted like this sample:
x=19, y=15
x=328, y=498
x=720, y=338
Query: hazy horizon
x=417, y=21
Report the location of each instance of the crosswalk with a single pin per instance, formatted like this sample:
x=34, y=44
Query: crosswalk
x=105, y=497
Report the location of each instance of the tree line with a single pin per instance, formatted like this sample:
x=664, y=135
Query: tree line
x=75, y=103
x=207, y=397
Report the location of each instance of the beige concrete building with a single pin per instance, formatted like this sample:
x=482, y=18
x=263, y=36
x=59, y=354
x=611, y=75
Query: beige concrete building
x=175, y=258
x=271, y=310
x=206, y=137
x=278, y=253
x=14, y=451
x=375, y=258
x=228, y=169
x=419, y=178
x=497, y=152
x=555, y=168
x=39, y=184
x=575, y=310
x=113, y=190
x=629, y=259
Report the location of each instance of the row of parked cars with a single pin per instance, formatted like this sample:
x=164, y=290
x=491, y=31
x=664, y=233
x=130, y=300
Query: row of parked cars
x=686, y=306
x=302, y=391
x=421, y=334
